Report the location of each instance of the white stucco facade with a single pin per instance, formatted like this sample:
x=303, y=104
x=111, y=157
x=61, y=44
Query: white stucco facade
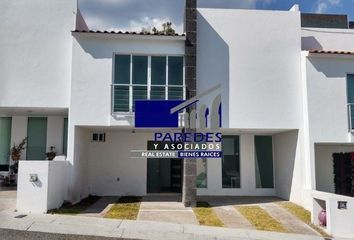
x=272, y=84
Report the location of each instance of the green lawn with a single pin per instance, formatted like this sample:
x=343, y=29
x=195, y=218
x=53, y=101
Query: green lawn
x=206, y=215
x=76, y=208
x=259, y=218
x=125, y=208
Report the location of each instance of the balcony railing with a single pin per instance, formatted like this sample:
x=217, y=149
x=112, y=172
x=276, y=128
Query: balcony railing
x=124, y=95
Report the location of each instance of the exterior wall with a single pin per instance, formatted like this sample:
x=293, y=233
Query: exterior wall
x=92, y=73
x=327, y=39
x=257, y=61
x=47, y=192
x=55, y=130
x=288, y=166
x=339, y=221
x=110, y=160
x=325, y=99
x=37, y=46
x=91, y=89
x=324, y=164
x=247, y=173
x=79, y=186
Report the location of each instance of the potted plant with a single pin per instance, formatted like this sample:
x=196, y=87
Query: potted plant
x=51, y=154
x=15, y=153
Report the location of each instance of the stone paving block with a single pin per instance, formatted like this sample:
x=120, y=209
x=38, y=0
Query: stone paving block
x=289, y=221
x=232, y=218
x=179, y=216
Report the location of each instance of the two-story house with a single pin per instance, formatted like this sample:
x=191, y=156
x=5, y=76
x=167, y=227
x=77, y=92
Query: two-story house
x=287, y=98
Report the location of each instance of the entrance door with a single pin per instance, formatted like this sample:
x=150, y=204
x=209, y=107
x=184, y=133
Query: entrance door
x=153, y=175
x=176, y=175
x=164, y=175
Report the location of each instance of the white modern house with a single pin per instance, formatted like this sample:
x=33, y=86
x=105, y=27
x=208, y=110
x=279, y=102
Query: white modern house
x=287, y=88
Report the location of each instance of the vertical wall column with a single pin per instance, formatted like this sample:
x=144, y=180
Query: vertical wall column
x=189, y=190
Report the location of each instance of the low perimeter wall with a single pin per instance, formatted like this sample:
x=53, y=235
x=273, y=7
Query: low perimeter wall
x=339, y=213
x=41, y=185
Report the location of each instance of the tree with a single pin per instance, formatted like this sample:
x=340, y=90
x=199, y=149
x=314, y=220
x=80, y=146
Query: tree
x=166, y=29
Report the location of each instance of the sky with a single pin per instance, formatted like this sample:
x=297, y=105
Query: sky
x=133, y=15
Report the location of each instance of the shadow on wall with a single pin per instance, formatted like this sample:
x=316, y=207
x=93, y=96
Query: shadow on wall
x=213, y=65
x=285, y=150
x=310, y=43
x=97, y=47
x=332, y=67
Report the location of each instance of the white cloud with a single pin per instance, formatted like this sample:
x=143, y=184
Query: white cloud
x=132, y=15
x=321, y=7
x=149, y=23
x=334, y=2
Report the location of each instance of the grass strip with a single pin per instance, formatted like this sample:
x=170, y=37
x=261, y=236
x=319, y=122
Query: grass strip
x=125, y=208
x=302, y=214
x=76, y=208
x=259, y=218
x=206, y=215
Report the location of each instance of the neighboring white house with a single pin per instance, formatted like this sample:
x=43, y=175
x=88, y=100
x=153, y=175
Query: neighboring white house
x=287, y=87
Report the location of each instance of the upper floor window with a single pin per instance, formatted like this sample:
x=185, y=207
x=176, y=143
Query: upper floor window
x=146, y=77
x=350, y=100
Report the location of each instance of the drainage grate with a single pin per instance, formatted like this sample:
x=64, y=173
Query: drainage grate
x=21, y=216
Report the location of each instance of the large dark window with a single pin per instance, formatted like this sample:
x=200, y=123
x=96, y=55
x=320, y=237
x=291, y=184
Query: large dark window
x=231, y=162
x=146, y=77
x=264, y=161
x=350, y=100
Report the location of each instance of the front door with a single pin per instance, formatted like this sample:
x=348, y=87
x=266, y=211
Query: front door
x=164, y=175
x=153, y=175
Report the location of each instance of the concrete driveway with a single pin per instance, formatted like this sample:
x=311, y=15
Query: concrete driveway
x=8, y=198
x=168, y=208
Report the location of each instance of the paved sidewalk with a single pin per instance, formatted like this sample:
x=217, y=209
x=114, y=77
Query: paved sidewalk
x=8, y=198
x=39, y=226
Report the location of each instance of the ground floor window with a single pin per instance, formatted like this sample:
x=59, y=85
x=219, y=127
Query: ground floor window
x=231, y=162
x=264, y=161
x=36, y=138
x=5, y=138
x=201, y=173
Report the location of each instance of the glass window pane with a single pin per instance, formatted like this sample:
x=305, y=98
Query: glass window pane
x=139, y=93
x=65, y=137
x=121, y=99
x=350, y=96
x=157, y=93
x=122, y=69
x=264, y=161
x=5, y=138
x=201, y=173
x=231, y=162
x=140, y=67
x=175, y=93
x=36, y=138
x=158, y=70
x=175, y=71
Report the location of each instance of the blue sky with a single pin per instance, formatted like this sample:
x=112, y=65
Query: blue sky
x=132, y=15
